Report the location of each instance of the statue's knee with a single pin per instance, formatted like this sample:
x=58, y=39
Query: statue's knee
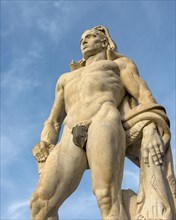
x=102, y=196
x=42, y=202
x=38, y=204
x=39, y=197
x=33, y=199
x=34, y=204
x=44, y=193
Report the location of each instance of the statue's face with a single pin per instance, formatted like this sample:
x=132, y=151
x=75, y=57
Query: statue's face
x=91, y=44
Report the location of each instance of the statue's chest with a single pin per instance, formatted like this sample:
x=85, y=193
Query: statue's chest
x=100, y=72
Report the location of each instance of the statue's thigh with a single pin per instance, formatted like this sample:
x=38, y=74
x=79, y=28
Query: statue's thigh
x=63, y=171
x=106, y=147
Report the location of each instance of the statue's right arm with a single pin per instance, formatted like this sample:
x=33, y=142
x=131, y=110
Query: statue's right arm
x=52, y=125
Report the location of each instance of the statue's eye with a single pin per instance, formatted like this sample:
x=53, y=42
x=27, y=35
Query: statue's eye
x=88, y=37
x=91, y=36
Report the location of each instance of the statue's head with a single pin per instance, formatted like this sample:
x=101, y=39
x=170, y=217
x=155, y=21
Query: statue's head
x=104, y=35
x=93, y=41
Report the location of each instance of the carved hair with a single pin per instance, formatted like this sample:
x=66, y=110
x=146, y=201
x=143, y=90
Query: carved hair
x=103, y=31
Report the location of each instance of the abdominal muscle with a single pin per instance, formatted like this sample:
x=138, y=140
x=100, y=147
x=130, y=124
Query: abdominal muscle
x=87, y=112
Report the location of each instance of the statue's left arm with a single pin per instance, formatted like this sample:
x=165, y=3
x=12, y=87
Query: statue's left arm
x=138, y=89
x=133, y=83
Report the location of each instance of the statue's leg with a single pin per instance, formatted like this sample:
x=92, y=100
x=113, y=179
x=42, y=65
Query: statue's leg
x=60, y=177
x=106, y=152
x=155, y=200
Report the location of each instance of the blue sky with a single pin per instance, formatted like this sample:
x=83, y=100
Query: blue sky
x=38, y=41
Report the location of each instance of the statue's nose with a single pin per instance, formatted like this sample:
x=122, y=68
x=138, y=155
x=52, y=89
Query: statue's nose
x=84, y=41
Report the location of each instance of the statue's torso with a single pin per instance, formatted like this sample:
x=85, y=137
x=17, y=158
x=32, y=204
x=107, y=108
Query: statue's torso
x=92, y=88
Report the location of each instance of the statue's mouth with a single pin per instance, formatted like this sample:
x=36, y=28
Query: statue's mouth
x=86, y=46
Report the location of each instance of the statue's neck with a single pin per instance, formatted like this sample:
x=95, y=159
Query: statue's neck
x=96, y=57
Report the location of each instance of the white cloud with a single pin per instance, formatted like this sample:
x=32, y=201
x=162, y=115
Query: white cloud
x=57, y=25
x=81, y=205
x=36, y=50
x=52, y=18
x=149, y=10
x=9, y=151
x=9, y=30
x=19, y=210
x=131, y=178
x=51, y=27
x=132, y=175
x=15, y=144
x=6, y=185
x=21, y=73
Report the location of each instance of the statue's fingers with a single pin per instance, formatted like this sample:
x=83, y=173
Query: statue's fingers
x=160, y=158
x=41, y=154
x=38, y=157
x=36, y=154
x=159, y=154
x=161, y=147
x=43, y=148
x=35, y=150
x=146, y=157
x=43, y=151
x=42, y=160
x=154, y=156
x=41, y=157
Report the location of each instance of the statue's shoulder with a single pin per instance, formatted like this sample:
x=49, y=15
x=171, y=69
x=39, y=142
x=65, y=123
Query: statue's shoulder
x=62, y=79
x=126, y=63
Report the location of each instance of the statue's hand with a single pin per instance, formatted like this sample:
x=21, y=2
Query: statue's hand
x=42, y=150
x=152, y=144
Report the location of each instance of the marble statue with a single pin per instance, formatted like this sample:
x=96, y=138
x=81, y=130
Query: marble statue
x=108, y=113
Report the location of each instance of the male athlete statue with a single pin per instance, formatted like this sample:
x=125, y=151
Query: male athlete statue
x=88, y=101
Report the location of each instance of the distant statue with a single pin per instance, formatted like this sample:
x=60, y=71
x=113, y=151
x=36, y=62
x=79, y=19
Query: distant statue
x=108, y=113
